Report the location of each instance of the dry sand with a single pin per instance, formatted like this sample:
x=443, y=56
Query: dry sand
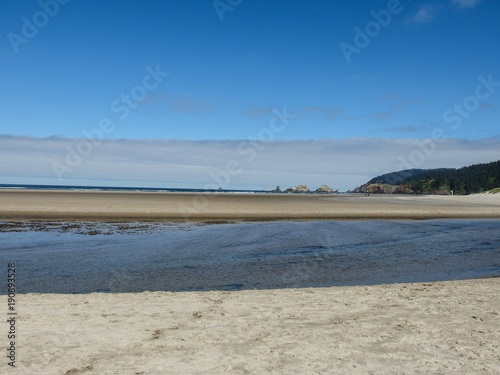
x=439, y=328
x=116, y=206
x=424, y=328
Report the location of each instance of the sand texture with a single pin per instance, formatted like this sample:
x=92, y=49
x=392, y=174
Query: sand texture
x=425, y=328
x=133, y=206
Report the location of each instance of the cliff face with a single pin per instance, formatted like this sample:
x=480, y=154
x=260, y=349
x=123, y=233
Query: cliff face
x=375, y=188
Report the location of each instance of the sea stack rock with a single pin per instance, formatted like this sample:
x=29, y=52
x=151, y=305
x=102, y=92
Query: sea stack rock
x=297, y=189
x=324, y=189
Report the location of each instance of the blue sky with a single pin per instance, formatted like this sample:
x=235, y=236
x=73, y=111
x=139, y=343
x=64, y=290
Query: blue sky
x=232, y=67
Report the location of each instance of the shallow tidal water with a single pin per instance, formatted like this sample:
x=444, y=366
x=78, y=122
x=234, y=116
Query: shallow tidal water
x=100, y=257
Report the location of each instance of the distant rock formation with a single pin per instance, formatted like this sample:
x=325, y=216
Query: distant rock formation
x=277, y=189
x=324, y=189
x=297, y=189
x=375, y=189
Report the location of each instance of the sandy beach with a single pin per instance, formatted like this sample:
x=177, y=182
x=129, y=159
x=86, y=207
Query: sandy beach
x=438, y=328
x=157, y=206
x=435, y=327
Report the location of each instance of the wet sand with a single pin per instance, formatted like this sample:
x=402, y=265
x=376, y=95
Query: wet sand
x=156, y=206
x=435, y=327
x=423, y=328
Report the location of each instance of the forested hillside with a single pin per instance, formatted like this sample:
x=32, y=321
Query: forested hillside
x=466, y=180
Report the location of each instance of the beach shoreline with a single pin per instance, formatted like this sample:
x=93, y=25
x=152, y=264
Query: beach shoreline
x=432, y=327
x=59, y=205
x=411, y=328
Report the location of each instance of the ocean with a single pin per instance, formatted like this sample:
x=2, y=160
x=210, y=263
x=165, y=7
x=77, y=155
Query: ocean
x=115, y=188
x=58, y=257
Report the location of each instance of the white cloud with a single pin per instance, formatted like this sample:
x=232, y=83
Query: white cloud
x=425, y=14
x=189, y=104
x=465, y=4
x=329, y=112
x=257, y=111
x=342, y=164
